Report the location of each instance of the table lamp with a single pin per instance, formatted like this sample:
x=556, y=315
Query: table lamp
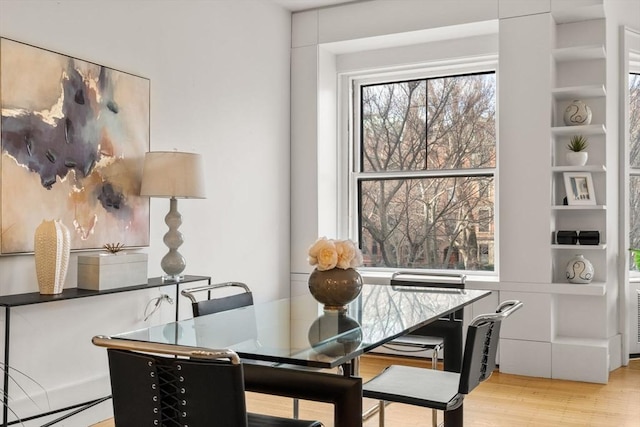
x=173, y=175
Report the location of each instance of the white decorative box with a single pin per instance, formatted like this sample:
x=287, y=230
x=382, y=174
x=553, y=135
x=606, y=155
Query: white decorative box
x=101, y=272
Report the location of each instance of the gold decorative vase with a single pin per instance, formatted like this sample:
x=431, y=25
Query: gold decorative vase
x=52, y=247
x=335, y=288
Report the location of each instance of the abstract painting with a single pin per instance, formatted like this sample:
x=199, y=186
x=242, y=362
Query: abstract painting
x=74, y=135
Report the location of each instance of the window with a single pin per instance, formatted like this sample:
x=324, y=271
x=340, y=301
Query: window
x=634, y=162
x=485, y=220
x=424, y=167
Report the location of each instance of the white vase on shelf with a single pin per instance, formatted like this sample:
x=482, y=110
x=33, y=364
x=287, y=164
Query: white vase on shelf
x=577, y=158
x=52, y=248
x=579, y=270
x=577, y=114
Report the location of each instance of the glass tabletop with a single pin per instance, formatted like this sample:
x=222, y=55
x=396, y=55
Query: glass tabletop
x=297, y=331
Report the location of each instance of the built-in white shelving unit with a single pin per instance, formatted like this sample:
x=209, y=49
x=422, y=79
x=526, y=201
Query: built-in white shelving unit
x=572, y=53
x=595, y=131
x=565, y=329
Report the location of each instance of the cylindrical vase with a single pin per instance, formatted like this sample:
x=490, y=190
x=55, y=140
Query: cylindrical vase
x=52, y=247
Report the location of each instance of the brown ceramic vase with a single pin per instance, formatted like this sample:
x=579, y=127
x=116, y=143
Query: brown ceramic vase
x=335, y=288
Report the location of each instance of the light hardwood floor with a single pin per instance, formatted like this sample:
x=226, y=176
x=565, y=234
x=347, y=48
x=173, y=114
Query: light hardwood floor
x=503, y=400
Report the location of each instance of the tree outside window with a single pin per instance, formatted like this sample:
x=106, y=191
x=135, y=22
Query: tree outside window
x=425, y=182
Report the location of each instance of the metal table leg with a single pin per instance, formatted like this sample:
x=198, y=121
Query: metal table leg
x=5, y=389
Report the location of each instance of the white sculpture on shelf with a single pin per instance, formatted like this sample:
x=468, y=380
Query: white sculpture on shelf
x=577, y=113
x=579, y=270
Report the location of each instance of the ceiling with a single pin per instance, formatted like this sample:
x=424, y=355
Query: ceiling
x=299, y=5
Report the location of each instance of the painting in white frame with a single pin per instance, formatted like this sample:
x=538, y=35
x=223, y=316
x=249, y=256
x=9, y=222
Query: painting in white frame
x=579, y=188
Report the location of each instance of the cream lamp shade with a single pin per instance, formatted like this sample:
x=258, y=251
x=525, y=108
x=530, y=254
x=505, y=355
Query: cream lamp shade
x=173, y=174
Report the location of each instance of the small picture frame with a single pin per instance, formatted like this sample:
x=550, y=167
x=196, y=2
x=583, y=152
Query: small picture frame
x=579, y=188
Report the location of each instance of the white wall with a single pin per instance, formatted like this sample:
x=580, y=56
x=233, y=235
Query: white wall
x=219, y=75
x=220, y=78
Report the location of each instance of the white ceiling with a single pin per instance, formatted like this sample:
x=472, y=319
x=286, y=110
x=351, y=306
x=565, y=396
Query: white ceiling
x=299, y=5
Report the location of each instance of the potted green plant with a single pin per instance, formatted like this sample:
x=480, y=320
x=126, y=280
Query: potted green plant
x=577, y=156
x=636, y=256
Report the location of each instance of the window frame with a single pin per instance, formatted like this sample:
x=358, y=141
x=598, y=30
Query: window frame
x=349, y=155
x=634, y=68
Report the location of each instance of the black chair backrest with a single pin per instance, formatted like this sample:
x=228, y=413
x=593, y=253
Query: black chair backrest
x=218, y=304
x=481, y=346
x=153, y=390
x=479, y=355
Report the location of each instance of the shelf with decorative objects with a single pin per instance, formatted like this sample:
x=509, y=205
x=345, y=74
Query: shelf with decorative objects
x=578, y=164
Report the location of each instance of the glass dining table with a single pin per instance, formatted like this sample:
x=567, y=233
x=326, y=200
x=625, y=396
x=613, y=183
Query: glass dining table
x=282, y=339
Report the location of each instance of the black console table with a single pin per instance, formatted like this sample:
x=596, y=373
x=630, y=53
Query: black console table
x=18, y=300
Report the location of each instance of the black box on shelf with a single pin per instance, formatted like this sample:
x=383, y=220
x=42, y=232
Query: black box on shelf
x=567, y=237
x=589, y=237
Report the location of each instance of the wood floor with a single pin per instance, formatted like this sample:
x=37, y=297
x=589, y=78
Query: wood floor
x=503, y=400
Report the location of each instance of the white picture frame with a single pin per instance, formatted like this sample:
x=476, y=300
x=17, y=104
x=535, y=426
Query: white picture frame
x=579, y=188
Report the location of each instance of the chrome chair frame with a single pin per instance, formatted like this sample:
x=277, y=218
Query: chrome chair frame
x=223, y=303
x=174, y=350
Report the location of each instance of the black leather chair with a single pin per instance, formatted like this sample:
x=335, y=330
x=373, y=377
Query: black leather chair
x=200, y=387
x=212, y=305
x=425, y=338
x=444, y=390
x=215, y=304
x=422, y=339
